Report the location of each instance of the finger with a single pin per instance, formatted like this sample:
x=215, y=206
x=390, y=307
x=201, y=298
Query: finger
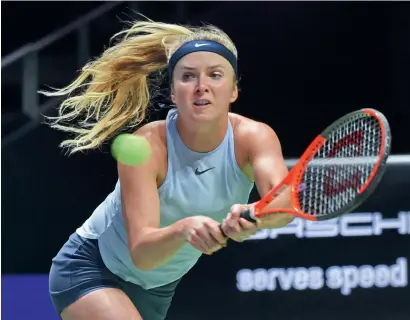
x=198, y=245
x=217, y=235
x=233, y=232
x=198, y=242
x=216, y=248
x=206, y=237
x=236, y=210
x=225, y=229
x=211, y=245
x=247, y=225
x=231, y=225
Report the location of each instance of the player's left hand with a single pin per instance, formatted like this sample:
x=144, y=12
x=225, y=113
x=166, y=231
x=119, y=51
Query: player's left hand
x=237, y=228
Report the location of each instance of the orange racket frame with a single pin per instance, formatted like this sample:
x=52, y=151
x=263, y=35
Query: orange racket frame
x=295, y=176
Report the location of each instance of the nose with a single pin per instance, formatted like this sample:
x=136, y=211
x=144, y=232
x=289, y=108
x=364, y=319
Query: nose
x=202, y=84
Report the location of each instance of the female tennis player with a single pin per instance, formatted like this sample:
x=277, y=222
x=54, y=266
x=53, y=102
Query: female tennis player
x=126, y=260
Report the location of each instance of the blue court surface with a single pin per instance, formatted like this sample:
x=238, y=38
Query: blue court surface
x=26, y=297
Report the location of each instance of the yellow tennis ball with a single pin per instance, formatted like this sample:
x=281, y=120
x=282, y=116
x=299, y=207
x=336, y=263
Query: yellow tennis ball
x=131, y=149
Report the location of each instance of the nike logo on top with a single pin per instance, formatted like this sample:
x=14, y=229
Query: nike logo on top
x=197, y=45
x=198, y=173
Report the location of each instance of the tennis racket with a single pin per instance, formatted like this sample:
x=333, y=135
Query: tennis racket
x=338, y=171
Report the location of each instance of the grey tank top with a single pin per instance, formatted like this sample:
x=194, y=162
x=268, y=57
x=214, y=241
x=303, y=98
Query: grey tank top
x=205, y=184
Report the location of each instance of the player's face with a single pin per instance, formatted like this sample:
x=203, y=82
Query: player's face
x=203, y=86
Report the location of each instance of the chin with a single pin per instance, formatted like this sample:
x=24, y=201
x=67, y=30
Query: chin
x=204, y=114
x=203, y=118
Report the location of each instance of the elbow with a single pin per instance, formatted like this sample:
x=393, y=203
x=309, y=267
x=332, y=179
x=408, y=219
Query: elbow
x=289, y=219
x=143, y=266
x=285, y=219
x=141, y=254
x=140, y=263
x=141, y=258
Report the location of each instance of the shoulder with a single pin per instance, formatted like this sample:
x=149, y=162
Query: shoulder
x=251, y=134
x=155, y=133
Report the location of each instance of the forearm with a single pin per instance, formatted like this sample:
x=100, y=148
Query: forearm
x=156, y=246
x=280, y=219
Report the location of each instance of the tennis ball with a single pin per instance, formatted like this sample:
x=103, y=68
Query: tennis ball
x=130, y=149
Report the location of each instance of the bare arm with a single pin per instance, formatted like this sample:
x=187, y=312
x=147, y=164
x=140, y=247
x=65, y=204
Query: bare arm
x=264, y=156
x=149, y=245
x=269, y=169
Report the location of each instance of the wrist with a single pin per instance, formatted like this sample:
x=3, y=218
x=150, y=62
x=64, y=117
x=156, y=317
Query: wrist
x=182, y=228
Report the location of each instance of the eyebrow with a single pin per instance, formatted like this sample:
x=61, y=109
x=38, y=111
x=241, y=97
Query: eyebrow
x=211, y=67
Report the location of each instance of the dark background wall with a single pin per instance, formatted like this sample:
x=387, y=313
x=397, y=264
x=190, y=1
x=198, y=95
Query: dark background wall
x=302, y=65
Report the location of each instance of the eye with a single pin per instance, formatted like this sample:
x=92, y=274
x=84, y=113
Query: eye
x=187, y=76
x=216, y=75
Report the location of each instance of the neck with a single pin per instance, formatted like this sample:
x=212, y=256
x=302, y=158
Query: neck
x=204, y=138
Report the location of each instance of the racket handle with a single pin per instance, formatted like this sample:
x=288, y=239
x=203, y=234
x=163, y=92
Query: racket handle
x=248, y=215
x=223, y=233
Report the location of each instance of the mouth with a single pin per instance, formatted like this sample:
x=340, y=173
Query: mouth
x=201, y=103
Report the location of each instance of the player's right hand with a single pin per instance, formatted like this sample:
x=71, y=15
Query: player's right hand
x=203, y=234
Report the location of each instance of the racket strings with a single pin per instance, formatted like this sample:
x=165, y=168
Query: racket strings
x=341, y=166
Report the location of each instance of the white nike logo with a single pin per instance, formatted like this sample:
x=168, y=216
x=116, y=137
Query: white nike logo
x=197, y=45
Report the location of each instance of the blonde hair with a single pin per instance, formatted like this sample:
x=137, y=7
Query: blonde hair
x=112, y=91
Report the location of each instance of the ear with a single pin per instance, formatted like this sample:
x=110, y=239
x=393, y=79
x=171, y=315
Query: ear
x=173, y=95
x=234, y=94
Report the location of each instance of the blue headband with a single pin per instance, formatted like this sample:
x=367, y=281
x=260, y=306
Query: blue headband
x=202, y=45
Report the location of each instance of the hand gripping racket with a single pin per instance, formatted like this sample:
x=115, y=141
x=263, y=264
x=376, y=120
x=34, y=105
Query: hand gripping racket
x=338, y=171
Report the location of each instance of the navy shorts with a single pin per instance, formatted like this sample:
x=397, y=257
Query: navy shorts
x=78, y=269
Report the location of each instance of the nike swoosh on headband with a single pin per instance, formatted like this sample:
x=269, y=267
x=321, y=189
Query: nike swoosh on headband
x=197, y=45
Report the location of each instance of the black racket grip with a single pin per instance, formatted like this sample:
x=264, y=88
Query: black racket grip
x=248, y=215
x=223, y=233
